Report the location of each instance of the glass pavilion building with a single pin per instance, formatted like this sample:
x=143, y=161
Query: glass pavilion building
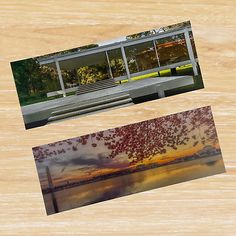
x=126, y=60
x=142, y=67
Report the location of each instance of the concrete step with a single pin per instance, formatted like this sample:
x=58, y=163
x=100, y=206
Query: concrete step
x=104, y=100
x=90, y=109
x=105, y=81
x=86, y=87
x=102, y=82
x=96, y=86
x=94, y=112
x=92, y=89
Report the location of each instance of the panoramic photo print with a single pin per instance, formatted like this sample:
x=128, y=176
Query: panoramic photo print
x=125, y=160
x=132, y=69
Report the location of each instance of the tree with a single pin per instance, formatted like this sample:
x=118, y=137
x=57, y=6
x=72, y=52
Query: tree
x=177, y=26
x=92, y=74
x=28, y=79
x=160, y=30
x=145, y=139
x=69, y=51
x=34, y=81
x=142, y=34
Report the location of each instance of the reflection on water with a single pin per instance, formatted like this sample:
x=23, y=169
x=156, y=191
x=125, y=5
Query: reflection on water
x=133, y=183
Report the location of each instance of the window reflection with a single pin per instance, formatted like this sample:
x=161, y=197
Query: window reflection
x=141, y=57
x=69, y=78
x=116, y=63
x=95, y=68
x=172, y=49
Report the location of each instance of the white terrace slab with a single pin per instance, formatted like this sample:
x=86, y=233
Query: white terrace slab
x=42, y=110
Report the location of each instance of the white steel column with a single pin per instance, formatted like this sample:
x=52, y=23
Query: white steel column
x=125, y=61
x=109, y=65
x=190, y=52
x=158, y=60
x=76, y=76
x=60, y=77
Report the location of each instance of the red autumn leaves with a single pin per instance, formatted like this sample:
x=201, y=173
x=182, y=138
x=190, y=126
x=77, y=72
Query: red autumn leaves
x=145, y=139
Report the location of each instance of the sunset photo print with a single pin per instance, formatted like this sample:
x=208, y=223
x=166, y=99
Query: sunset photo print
x=129, y=159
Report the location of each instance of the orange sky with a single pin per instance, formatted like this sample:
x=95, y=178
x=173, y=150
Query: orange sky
x=161, y=159
x=87, y=161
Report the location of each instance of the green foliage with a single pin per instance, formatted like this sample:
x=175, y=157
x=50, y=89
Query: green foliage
x=118, y=67
x=156, y=31
x=139, y=35
x=33, y=81
x=177, y=26
x=88, y=46
x=68, y=51
x=91, y=74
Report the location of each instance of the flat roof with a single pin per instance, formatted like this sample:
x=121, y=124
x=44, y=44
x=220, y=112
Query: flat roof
x=50, y=60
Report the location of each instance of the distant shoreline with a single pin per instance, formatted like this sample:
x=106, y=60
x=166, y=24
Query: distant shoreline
x=139, y=168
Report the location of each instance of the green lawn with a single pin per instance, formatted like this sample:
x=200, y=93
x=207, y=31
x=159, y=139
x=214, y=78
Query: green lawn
x=183, y=70
x=36, y=99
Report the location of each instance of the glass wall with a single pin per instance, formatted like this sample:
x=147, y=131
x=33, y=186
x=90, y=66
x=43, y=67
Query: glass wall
x=172, y=49
x=116, y=63
x=49, y=79
x=141, y=57
x=70, y=79
x=95, y=69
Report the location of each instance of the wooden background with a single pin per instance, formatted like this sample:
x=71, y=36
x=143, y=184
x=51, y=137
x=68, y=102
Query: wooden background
x=201, y=207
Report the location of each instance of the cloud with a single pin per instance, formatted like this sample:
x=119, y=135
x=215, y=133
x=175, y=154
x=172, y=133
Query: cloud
x=98, y=161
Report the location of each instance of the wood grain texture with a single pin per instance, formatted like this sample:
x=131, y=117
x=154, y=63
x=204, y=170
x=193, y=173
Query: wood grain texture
x=201, y=207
